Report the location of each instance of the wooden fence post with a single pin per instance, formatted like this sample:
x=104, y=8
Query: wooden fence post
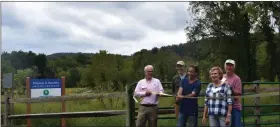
x=243, y=108
x=279, y=101
x=128, y=107
x=257, y=105
x=130, y=122
x=28, y=105
x=12, y=108
x=63, y=122
x=7, y=121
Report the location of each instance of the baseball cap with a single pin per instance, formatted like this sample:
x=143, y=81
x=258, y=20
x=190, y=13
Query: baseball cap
x=181, y=63
x=230, y=61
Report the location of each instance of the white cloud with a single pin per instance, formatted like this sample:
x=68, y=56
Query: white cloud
x=122, y=27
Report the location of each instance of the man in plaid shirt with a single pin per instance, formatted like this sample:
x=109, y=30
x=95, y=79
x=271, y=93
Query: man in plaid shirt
x=219, y=107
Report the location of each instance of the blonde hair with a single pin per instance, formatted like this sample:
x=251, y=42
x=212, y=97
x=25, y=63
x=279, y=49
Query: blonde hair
x=220, y=71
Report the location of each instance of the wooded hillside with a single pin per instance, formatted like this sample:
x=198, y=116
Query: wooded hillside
x=247, y=32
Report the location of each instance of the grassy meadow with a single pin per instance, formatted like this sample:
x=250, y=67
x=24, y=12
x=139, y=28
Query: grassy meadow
x=120, y=104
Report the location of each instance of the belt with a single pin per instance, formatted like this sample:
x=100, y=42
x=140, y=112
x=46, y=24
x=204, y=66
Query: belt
x=149, y=105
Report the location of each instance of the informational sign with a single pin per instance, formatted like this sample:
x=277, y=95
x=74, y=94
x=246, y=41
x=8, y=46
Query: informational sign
x=8, y=80
x=45, y=87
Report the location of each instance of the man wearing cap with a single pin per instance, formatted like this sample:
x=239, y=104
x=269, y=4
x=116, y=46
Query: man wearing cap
x=180, y=66
x=235, y=82
x=148, y=89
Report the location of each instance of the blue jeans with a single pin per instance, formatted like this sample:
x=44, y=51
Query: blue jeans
x=235, y=118
x=185, y=120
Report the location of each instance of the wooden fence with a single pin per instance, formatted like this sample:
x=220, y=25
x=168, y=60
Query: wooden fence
x=130, y=112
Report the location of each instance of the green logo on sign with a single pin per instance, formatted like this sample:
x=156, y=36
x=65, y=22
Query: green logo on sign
x=46, y=92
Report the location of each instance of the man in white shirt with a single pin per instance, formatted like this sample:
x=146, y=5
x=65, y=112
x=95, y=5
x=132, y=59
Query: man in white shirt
x=148, y=89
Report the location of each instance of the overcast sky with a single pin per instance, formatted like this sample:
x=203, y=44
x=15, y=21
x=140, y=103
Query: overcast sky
x=118, y=27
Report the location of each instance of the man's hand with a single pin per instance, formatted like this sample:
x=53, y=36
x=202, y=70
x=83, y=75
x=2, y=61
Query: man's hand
x=148, y=93
x=228, y=119
x=204, y=120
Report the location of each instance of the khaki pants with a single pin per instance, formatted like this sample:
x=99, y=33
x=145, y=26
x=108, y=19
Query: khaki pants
x=147, y=113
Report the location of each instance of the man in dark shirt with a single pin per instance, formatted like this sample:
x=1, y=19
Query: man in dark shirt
x=180, y=66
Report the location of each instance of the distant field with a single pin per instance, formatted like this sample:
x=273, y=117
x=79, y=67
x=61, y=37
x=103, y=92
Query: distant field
x=120, y=104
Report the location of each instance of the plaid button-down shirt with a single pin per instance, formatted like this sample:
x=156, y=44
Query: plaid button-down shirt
x=218, y=106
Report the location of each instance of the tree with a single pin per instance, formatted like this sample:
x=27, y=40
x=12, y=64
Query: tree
x=225, y=21
x=6, y=67
x=154, y=50
x=20, y=77
x=41, y=63
x=268, y=32
x=31, y=58
x=82, y=59
x=73, y=78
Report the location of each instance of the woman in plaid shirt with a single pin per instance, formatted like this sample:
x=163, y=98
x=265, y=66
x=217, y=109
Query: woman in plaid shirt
x=219, y=109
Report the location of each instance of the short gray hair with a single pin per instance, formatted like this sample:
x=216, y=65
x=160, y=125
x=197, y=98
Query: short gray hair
x=148, y=66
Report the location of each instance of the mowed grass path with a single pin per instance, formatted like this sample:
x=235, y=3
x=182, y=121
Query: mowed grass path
x=120, y=104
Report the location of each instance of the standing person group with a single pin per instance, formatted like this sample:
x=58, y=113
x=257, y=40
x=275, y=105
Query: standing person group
x=222, y=110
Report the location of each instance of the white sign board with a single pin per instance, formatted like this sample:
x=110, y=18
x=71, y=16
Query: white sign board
x=45, y=87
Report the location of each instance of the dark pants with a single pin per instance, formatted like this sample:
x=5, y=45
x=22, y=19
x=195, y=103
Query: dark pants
x=235, y=118
x=185, y=120
x=147, y=113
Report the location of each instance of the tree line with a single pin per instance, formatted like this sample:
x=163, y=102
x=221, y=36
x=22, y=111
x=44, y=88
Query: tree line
x=247, y=32
x=242, y=31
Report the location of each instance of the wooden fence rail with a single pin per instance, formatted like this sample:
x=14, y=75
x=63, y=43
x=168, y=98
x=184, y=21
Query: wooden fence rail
x=106, y=113
x=92, y=96
x=70, y=114
x=67, y=98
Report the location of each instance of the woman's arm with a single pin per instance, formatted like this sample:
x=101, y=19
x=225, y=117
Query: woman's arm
x=205, y=111
x=206, y=102
x=196, y=90
x=229, y=100
x=180, y=91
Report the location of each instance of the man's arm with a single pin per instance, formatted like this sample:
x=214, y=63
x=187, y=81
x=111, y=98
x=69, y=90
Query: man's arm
x=173, y=85
x=229, y=110
x=237, y=87
x=138, y=92
x=224, y=80
x=161, y=90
